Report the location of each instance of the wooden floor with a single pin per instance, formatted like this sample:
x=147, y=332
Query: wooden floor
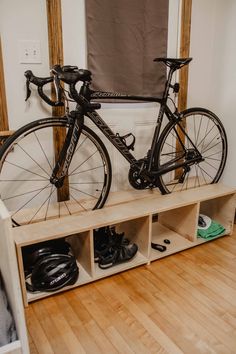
x=185, y=303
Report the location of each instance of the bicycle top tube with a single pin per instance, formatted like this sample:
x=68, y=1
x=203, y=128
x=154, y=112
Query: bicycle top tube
x=121, y=96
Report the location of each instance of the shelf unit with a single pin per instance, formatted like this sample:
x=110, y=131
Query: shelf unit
x=151, y=218
x=10, y=275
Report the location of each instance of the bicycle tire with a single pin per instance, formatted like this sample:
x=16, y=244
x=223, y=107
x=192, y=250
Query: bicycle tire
x=27, y=159
x=207, y=132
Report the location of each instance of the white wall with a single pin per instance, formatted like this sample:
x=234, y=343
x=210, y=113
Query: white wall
x=22, y=20
x=27, y=19
x=212, y=79
x=123, y=118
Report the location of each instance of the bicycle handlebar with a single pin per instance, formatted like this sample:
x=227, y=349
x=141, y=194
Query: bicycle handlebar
x=68, y=74
x=40, y=82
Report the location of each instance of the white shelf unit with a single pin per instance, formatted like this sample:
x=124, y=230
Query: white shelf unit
x=151, y=218
x=10, y=275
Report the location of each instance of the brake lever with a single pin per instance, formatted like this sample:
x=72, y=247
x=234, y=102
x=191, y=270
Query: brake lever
x=28, y=90
x=56, y=82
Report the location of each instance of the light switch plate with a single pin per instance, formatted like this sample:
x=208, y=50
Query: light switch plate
x=29, y=52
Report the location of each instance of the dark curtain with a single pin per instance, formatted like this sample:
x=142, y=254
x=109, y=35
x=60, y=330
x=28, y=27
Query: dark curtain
x=123, y=38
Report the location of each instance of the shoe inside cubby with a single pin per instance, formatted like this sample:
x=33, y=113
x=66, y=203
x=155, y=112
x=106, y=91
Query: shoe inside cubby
x=130, y=247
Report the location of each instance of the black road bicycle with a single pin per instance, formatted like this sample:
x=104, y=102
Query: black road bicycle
x=39, y=181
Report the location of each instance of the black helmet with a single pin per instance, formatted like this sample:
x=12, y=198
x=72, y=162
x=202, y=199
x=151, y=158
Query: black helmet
x=33, y=253
x=53, y=272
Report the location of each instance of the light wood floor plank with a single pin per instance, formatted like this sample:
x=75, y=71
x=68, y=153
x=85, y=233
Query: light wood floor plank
x=47, y=317
x=217, y=331
x=185, y=303
x=169, y=305
x=79, y=320
x=37, y=333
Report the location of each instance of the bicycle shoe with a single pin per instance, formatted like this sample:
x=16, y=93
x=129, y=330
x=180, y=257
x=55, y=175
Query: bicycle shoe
x=104, y=239
x=116, y=237
x=117, y=255
x=101, y=240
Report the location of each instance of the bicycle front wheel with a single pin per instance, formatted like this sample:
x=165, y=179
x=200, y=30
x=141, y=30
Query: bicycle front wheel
x=202, y=129
x=27, y=160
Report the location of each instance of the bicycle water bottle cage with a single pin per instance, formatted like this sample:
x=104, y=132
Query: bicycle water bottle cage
x=176, y=87
x=123, y=139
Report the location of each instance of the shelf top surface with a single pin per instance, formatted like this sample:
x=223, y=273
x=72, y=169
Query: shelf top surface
x=152, y=204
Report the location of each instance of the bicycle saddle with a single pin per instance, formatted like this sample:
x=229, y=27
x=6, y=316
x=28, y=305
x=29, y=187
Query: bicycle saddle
x=173, y=62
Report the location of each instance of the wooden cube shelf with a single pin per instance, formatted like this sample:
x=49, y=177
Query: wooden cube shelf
x=152, y=217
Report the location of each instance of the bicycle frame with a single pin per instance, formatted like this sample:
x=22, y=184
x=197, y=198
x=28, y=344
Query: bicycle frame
x=115, y=139
x=83, y=100
x=112, y=137
x=122, y=148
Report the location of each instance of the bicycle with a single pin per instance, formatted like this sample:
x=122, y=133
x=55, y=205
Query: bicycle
x=38, y=183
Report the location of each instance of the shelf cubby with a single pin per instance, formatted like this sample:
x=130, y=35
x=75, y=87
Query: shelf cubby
x=220, y=209
x=136, y=231
x=177, y=242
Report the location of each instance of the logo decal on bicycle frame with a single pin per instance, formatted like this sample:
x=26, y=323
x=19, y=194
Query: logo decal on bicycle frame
x=70, y=151
x=114, y=139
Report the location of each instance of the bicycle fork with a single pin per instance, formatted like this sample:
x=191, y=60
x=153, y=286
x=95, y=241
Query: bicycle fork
x=62, y=164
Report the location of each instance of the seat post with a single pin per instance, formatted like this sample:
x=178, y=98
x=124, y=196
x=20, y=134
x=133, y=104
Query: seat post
x=168, y=82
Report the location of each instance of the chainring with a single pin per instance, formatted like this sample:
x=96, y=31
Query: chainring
x=136, y=176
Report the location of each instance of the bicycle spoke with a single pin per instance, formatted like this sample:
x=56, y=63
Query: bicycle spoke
x=67, y=208
x=199, y=129
x=30, y=200
x=78, y=202
x=81, y=144
x=203, y=175
x=85, y=182
x=23, y=180
x=194, y=125
x=41, y=207
x=211, y=147
x=46, y=213
x=215, y=153
x=89, y=170
x=23, y=194
x=204, y=131
x=43, y=151
x=25, y=169
x=205, y=136
x=210, y=165
x=175, y=185
x=170, y=145
x=185, y=181
x=79, y=190
x=25, y=175
x=171, y=153
x=84, y=161
x=209, y=143
x=197, y=177
x=32, y=159
x=203, y=170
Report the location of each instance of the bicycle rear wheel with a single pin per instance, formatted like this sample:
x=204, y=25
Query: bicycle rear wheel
x=27, y=160
x=208, y=134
